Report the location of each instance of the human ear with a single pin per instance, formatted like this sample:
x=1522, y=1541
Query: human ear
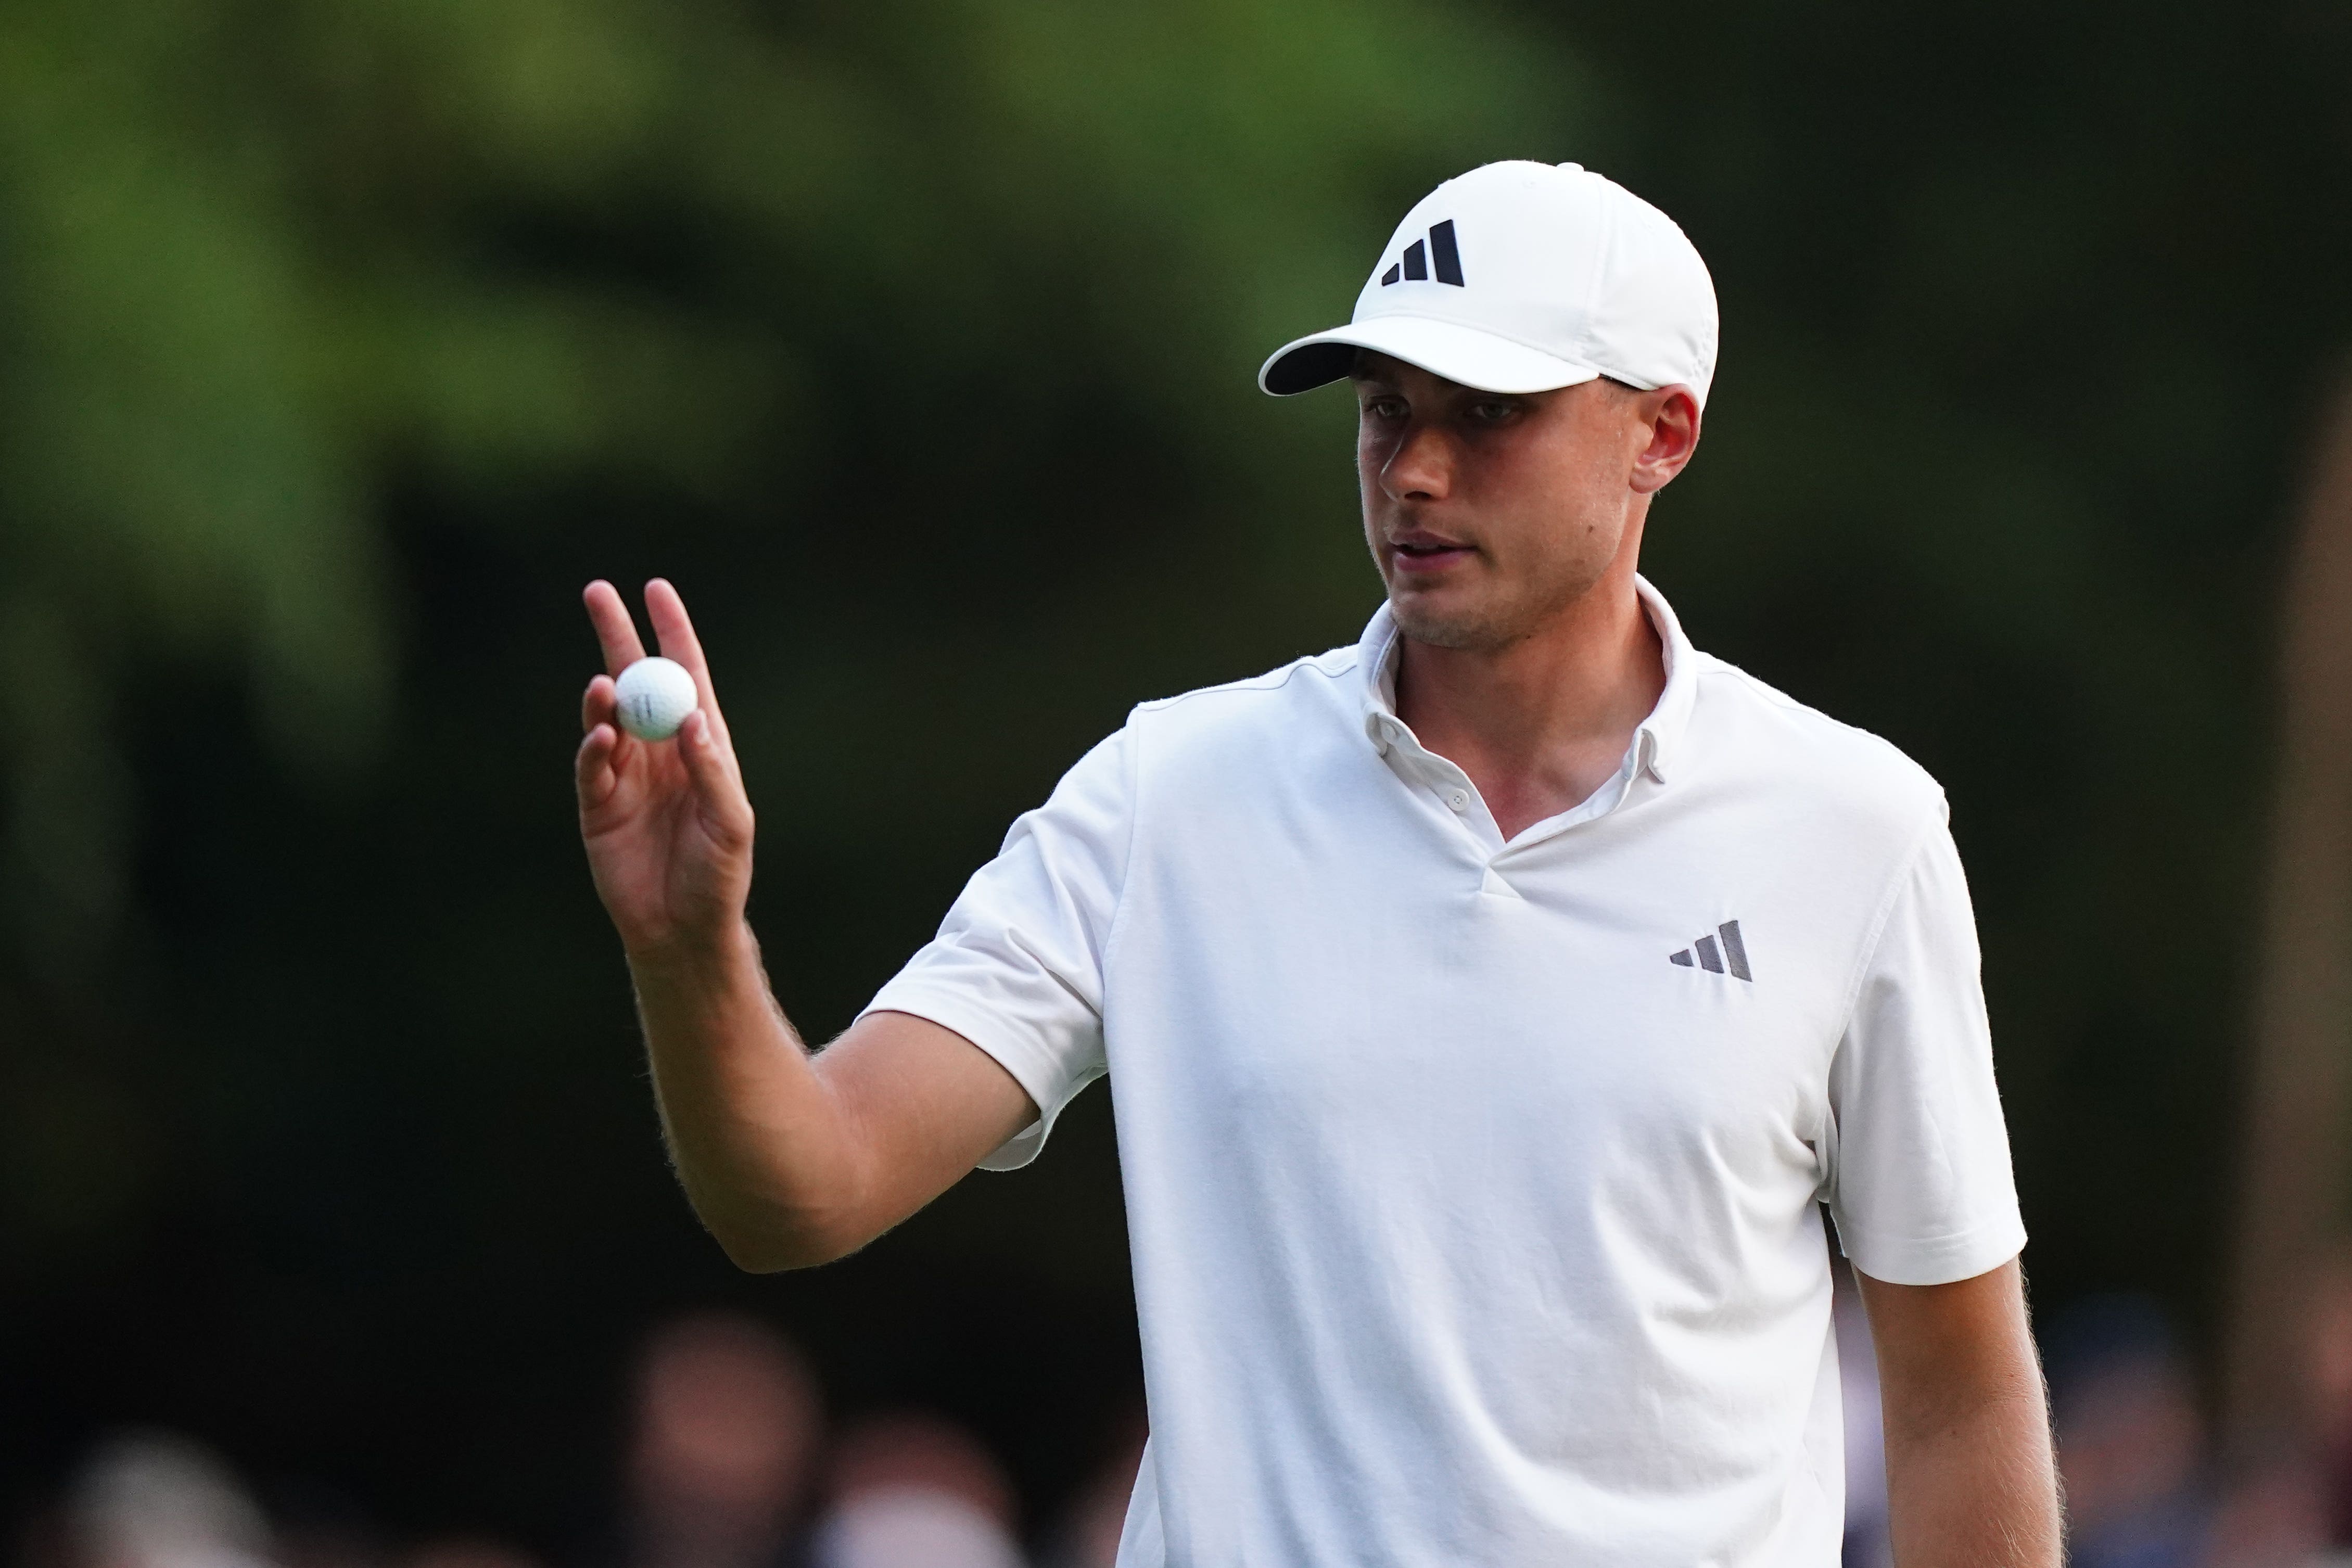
x=1671, y=416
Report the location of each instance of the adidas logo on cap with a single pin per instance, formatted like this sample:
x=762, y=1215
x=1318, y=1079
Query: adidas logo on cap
x=1442, y=250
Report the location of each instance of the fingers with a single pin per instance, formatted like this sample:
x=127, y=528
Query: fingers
x=616, y=633
x=593, y=769
x=726, y=811
x=673, y=628
x=675, y=632
x=600, y=704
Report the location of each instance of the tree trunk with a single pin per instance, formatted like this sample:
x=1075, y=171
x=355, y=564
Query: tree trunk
x=2294, y=1175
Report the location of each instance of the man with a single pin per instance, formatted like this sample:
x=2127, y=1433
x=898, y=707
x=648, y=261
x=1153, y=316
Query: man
x=1491, y=1003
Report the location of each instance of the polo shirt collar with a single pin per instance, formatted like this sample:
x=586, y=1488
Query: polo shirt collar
x=1659, y=737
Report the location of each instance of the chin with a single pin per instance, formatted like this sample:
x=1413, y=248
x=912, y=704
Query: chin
x=1449, y=626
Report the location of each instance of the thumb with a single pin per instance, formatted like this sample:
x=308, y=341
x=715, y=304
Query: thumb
x=718, y=792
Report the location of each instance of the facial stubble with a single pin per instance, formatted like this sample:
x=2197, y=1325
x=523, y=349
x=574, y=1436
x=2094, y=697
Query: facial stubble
x=1496, y=620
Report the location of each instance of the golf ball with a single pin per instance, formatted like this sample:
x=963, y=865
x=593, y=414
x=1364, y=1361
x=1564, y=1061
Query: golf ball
x=654, y=696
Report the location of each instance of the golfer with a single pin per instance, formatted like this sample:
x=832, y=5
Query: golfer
x=1494, y=1004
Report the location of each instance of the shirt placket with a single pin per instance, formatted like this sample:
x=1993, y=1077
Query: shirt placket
x=1423, y=771
x=1450, y=788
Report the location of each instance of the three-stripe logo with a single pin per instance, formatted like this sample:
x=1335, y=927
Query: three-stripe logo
x=1440, y=249
x=1716, y=953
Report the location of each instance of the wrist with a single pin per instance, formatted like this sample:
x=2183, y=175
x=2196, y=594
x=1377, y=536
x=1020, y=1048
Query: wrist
x=696, y=956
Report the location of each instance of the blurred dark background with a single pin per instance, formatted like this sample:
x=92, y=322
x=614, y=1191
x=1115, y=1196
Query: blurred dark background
x=341, y=343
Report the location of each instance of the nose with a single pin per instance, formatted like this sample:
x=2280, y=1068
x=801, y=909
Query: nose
x=1420, y=467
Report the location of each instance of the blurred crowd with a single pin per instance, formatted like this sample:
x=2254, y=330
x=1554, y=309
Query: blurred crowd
x=730, y=1462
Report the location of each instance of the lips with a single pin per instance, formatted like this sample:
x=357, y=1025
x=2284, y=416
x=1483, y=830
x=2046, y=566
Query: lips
x=1421, y=553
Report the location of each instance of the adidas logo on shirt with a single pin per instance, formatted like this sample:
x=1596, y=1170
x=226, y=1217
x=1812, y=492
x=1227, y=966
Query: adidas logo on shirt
x=1417, y=259
x=1732, y=953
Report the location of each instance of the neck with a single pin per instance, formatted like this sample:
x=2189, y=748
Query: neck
x=1540, y=724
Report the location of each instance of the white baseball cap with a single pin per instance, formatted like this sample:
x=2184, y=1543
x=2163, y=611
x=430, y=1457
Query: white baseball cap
x=1520, y=277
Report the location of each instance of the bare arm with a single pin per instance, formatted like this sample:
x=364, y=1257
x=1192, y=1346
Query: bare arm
x=788, y=1159
x=1972, y=1479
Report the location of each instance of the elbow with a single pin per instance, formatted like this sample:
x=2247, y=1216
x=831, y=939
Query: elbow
x=768, y=1246
x=767, y=1226
x=762, y=1258
x=769, y=1255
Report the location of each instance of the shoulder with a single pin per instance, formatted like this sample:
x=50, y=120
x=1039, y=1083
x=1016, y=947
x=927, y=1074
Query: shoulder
x=1762, y=734
x=1323, y=681
x=1277, y=722
x=1210, y=724
x=1310, y=677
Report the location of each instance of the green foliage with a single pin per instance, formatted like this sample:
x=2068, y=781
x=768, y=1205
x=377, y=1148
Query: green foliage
x=262, y=257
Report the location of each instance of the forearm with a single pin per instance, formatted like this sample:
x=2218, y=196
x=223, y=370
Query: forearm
x=759, y=1142
x=1976, y=1489
x=1971, y=1480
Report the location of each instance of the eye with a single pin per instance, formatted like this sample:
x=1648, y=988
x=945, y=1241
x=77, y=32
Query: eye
x=1493, y=410
x=1385, y=405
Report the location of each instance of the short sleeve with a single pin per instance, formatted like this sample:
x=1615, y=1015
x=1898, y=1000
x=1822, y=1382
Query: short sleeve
x=1920, y=1182
x=1017, y=967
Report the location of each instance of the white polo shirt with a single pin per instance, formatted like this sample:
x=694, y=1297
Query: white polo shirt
x=1473, y=1185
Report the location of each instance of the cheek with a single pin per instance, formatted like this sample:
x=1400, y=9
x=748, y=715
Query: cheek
x=1532, y=505
x=1552, y=524
x=1578, y=486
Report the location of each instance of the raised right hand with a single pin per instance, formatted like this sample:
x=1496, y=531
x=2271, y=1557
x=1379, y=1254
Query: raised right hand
x=667, y=823
x=790, y=1159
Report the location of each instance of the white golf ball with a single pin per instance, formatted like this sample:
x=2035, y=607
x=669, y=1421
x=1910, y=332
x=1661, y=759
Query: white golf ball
x=654, y=696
